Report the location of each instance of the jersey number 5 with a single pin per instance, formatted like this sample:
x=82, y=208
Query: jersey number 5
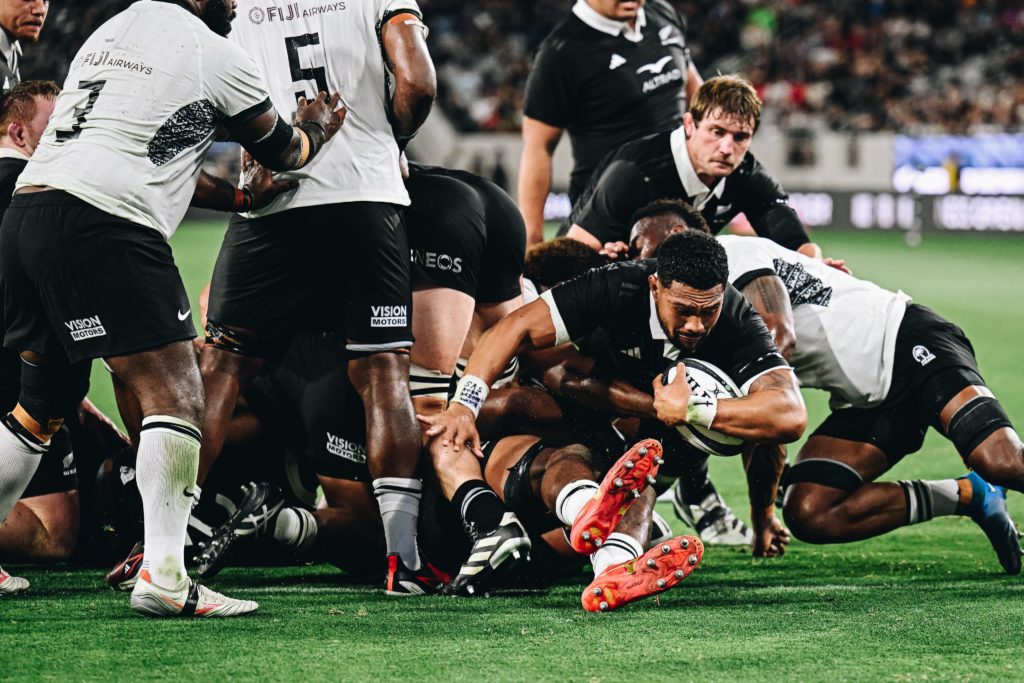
x=299, y=73
x=93, y=89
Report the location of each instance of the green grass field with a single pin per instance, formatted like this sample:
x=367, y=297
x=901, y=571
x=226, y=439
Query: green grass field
x=925, y=603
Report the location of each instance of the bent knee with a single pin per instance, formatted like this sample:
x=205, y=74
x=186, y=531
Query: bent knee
x=807, y=511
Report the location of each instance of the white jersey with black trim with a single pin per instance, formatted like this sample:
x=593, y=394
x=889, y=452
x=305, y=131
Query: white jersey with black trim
x=307, y=46
x=845, y=327
x=140, y=107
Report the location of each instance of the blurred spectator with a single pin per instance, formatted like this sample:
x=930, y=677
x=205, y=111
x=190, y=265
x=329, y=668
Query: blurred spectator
x=922, y=66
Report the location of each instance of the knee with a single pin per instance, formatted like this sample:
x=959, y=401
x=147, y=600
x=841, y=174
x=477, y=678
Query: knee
x=806, y=515
x=1000, y=463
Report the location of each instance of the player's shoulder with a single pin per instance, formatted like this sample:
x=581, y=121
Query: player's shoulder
x=661, y=11
x=752, y=173
x=646, y=148
x=566, y=36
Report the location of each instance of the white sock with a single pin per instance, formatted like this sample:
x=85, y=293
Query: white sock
x=166, y=474
x=19, y=459
x=399, y=502
x=618, y=548
x=661, y=530
x=572, y=498
x=295, y=528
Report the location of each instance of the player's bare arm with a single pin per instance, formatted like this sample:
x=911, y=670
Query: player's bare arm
x=529, y=327
x=281, y=147
x=404, y=39
x=763, y=464
x=613, y=395
x=772, y=412
x=768, y=295
x=539, y=142
x=259, y=188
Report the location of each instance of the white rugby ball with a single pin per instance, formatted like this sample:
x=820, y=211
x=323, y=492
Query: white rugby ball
x=707, y=380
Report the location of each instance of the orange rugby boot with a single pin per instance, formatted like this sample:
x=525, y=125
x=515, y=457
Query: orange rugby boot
x=657, y=570
x=623, y=483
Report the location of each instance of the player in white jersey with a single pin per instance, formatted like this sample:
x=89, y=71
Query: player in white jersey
x=894, y=368
x=86, y=271
x=333, y=255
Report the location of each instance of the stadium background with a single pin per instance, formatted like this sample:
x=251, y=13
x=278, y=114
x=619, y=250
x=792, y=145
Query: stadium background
x=899, y=129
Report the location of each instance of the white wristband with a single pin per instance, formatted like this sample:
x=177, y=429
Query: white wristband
x=701, y=410
x=471, y=391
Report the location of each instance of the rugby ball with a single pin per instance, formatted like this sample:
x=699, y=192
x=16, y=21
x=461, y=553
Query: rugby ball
x=706, y=380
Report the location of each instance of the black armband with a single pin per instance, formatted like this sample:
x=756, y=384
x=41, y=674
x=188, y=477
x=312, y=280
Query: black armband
x=781, y=225
x=270, y=146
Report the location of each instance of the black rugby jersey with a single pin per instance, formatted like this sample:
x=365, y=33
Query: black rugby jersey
x=10, y=168
x=645, y=170
x=604, y=89
x=611, y=309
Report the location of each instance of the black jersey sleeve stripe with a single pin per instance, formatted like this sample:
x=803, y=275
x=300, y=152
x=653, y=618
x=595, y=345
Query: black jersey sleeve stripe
x=181, y=429
x=748, y=277
x=249, y=114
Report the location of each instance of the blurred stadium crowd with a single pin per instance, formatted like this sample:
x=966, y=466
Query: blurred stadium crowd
x=918, y=66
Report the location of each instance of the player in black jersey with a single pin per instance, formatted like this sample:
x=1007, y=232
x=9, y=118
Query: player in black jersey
x=610, y=72
x=648, y=314
x=704, y=162
x=19, y=21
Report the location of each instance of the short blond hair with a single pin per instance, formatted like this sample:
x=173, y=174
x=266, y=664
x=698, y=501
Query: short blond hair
x=731, y=94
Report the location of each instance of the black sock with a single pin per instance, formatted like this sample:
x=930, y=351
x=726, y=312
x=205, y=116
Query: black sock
x=479, y=506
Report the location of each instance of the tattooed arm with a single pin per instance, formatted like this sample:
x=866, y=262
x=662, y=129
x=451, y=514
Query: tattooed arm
x=768, y=295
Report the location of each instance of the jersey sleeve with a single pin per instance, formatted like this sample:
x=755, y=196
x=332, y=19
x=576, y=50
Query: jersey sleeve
x=389, y=8
x=749, y=259
x=753, y=351
x=766, y=206
x=551, y=88
x=581, y=305
x=617, y=193
x=233, y=82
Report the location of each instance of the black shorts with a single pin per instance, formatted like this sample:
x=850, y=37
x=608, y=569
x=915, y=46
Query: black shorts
x=308, y=393
x=934, y=361
x=520, y=497
x=340, y=268
x=57, y=471
x=79, y=283
x=465, y=233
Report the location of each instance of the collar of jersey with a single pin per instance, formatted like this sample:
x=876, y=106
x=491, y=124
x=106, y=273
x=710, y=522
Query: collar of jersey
x=11, y=153
x=8, y=46
x=589, y=16
x=694, y=186
x=656, y=331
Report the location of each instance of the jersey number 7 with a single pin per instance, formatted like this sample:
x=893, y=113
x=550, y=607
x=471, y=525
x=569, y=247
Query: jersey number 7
x=299, y=73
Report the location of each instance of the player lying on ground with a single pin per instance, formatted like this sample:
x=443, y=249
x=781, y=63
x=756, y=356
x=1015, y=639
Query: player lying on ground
x=894, y=368
x=108, y=184
x=651, y=313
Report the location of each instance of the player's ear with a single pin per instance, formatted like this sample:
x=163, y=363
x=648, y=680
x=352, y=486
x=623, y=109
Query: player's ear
x=688, y=124
x=16, y=132
x=652, y=281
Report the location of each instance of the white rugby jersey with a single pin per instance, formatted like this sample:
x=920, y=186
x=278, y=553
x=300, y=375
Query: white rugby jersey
x=140, y=108
x=305, y=46
x=845, y=327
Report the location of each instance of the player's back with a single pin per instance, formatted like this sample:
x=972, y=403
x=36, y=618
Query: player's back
x=307, y=47
x=139, y=109
x=845, y=327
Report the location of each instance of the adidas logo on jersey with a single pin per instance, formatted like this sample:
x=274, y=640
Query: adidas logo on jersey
x=85, y=328
x=388, y=316
x=342, y=447
x=617, y=61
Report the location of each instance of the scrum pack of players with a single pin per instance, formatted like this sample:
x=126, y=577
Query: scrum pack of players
x=353, y=297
